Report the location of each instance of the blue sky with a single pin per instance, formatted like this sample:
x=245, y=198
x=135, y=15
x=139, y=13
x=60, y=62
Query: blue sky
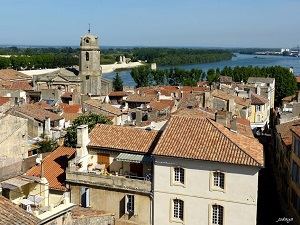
x=199, y=23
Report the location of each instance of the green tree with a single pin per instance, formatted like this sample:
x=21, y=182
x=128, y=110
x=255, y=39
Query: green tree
x=91, y=120
x=117, y=83
x=4, y=62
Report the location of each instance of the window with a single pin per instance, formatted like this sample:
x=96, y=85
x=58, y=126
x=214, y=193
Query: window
x=85, y=197
x=179, y=175
x=296, y=146
x=178, y=209
x=218, y=179
x=258, y=108
x=217, y=215
x=129, y=204
x=87, y=56
x=257, y=118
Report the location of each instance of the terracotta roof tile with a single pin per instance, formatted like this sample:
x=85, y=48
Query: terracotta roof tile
x=123, y=138
x=70, y=108
x=257, y=99
x=158, y=105
x=67, y=95
x=13, y=214
x=140, y=98
x=19, y=85
x=54, y=166
x=284, y=130
x=225, y=96
x=225, y=79
x=4, y=100
x=103, y=106
x=117, y=94
x=296, y=129
x=71, y=116
x=298, y=79
x=37, y=112
x=11, y=75
x=204, y=139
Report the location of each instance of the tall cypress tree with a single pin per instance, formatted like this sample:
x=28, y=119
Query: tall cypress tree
x=117, y=83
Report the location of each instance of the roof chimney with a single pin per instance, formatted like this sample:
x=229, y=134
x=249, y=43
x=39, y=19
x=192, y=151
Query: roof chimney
x=233, y=124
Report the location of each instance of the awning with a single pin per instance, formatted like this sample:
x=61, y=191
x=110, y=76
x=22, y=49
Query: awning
x=134, y=158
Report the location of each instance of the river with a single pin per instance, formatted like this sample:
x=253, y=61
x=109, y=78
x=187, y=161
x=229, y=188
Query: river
x=239, y=60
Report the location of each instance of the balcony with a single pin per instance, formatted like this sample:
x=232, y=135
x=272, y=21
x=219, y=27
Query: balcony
x=117, y=181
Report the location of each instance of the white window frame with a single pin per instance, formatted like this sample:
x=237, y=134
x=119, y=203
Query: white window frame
x=177, y=211
x=216, y=214
x=258, y=108
x=178, y=176
x=218, y=181
x=130, y=204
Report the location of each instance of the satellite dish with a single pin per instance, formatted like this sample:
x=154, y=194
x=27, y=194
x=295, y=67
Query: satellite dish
x=38, y=161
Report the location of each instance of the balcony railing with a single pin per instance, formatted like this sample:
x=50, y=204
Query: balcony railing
x=124, y=182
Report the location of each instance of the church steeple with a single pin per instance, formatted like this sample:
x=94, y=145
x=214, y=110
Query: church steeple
x=89, y=65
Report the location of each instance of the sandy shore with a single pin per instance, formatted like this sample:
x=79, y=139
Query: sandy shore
x=111, y=67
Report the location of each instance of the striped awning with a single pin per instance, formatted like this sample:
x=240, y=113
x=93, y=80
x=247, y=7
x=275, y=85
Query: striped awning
x=134, y=158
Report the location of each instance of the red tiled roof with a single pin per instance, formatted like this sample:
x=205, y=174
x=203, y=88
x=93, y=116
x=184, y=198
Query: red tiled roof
x=37, y=112
x=284, y=130
x=70, y=108
x=204, y=139
x=296, y=130
x=43, y=105
x=123, y=138
x=13, y=214
x=19, y=85
x=298, y=79
x=225, y=96
x=158, y=105
x=257, y=99
x=71, y=116
x=3, y=100
x=67, y=95
x=103, y=106
x=10, y=74
x=117, y=94
x=54, y=166
x=140, y=98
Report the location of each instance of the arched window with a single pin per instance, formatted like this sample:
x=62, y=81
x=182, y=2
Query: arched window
x=87, y=56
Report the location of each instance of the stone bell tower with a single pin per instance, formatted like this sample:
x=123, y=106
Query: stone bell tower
x=89, y=65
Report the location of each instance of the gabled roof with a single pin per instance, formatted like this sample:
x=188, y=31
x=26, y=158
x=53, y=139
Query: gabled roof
x=123, y=138
x=225, y=79
x=257, y=99
x=54, y=166
x=204, y=139
x=13, y=214
x=36, y=112
x=298, y=79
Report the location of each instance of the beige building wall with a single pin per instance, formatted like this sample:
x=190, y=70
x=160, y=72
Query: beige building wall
x=114, y=201
x=239, y=197
x=13, y=137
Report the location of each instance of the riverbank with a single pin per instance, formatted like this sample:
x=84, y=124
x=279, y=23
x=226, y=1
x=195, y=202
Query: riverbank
x=112, y=67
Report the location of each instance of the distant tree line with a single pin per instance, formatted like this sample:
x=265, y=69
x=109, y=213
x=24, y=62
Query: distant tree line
x=180, y=56
x=144, y=76
x=285, y=81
